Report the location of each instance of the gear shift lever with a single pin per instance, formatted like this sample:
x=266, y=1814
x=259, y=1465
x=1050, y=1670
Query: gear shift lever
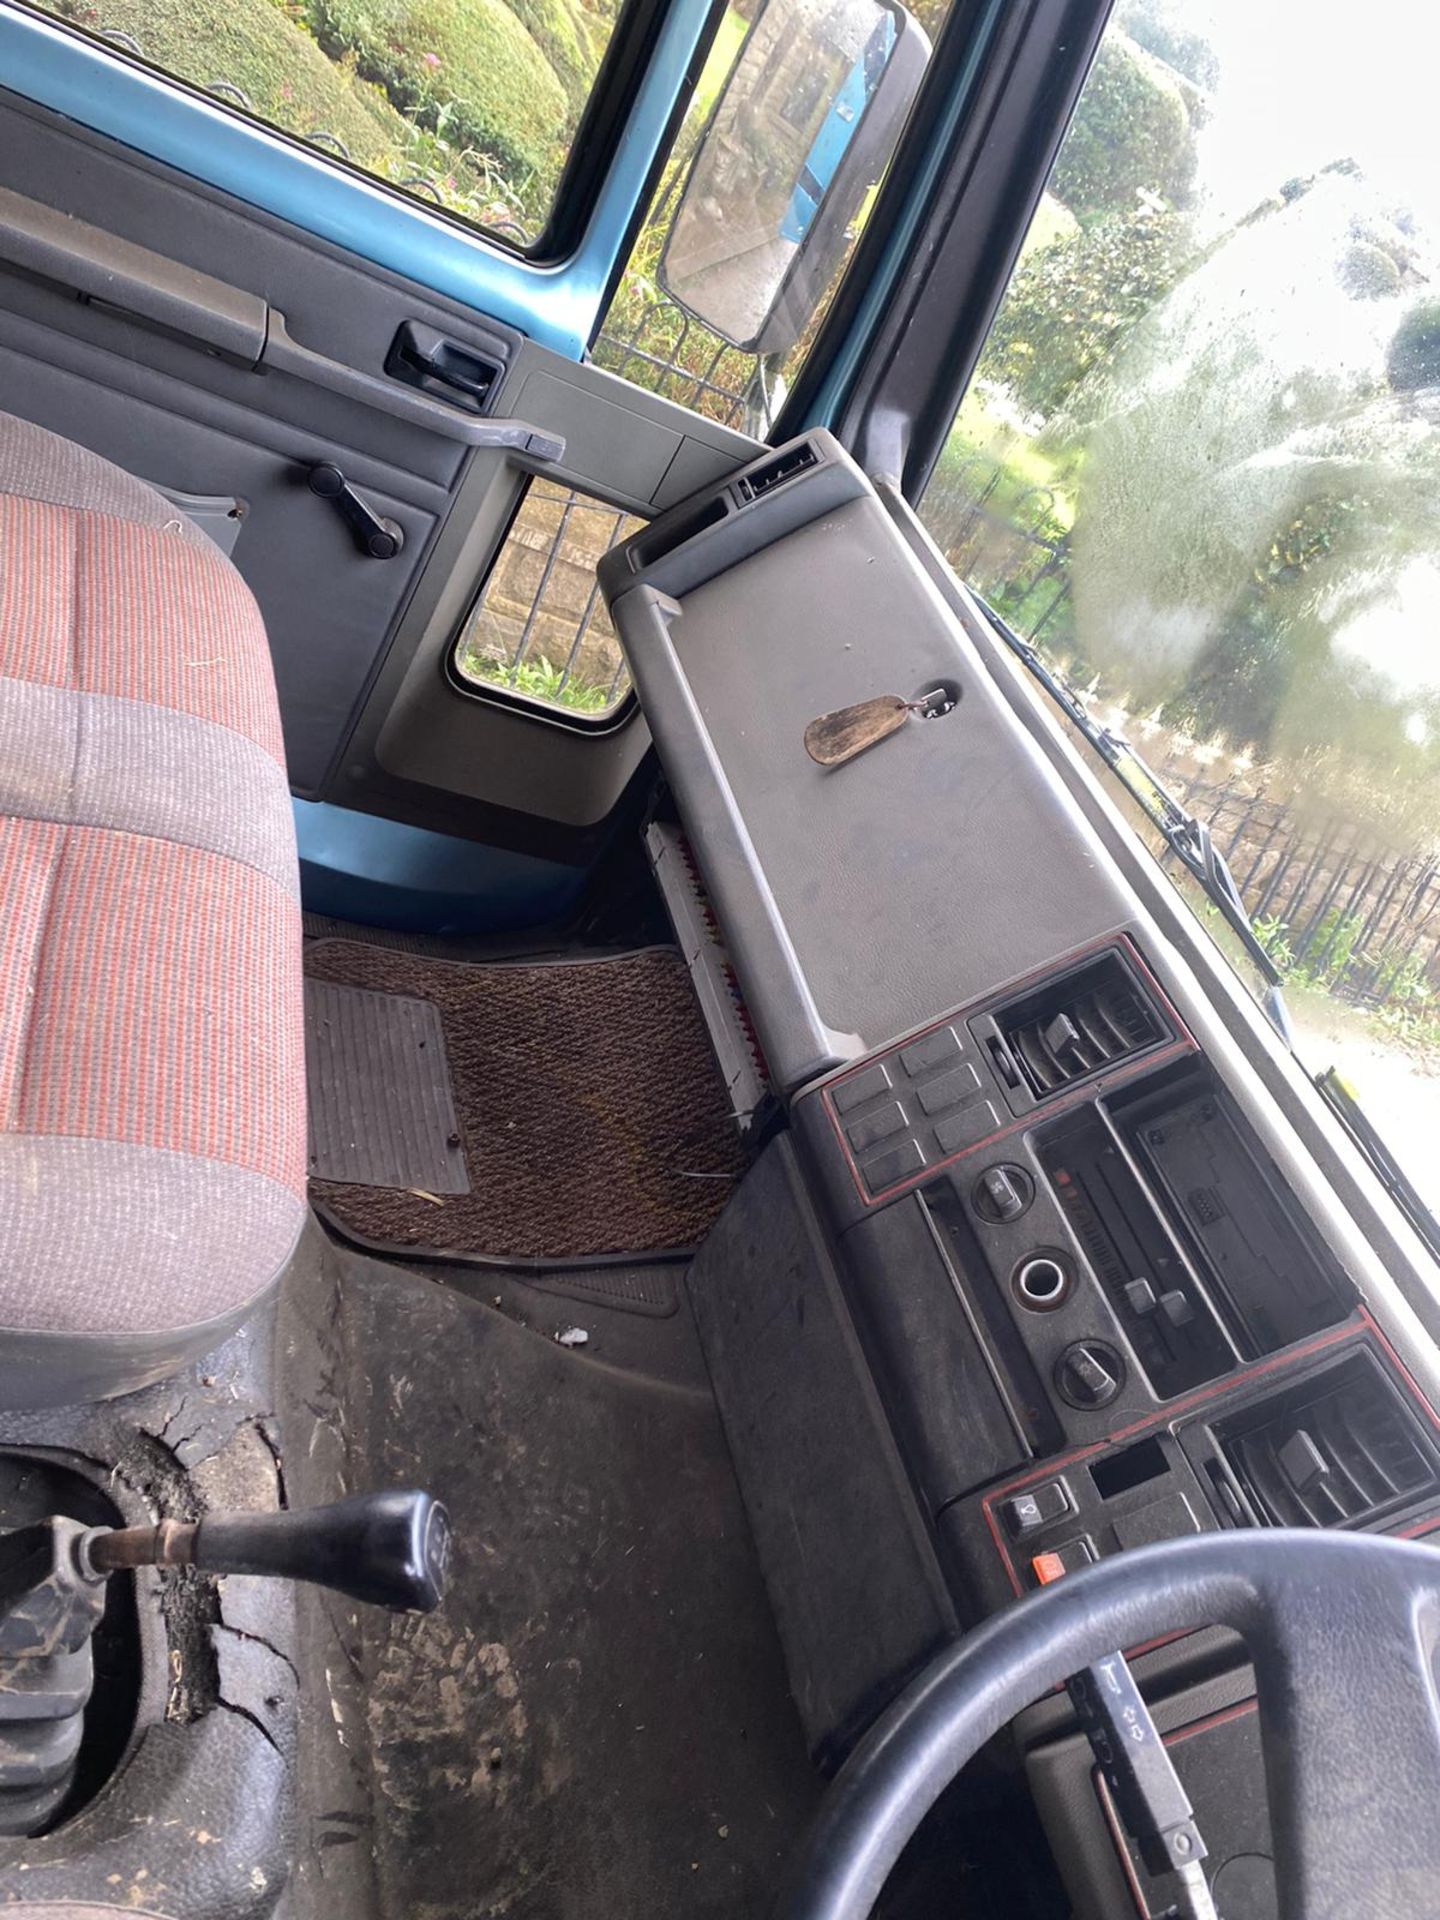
x=390, y=1549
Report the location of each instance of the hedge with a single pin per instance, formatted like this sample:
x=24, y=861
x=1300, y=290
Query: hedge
x=466, y=69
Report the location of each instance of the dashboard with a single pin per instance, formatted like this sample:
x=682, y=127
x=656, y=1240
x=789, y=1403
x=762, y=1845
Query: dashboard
x=1048, y=1250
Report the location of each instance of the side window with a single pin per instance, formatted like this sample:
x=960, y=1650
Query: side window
x=468, y=105
x=1199, y=465
x=539, y=630
x=792, y=125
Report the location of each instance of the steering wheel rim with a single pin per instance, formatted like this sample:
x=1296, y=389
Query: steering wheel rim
x=1342, y=1630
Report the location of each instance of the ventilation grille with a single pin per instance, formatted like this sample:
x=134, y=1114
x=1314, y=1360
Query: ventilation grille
x=1341, y=1451
x=1077, y=1026
x=759, y=481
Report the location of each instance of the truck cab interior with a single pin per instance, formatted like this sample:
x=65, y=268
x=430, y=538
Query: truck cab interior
x=720, y=853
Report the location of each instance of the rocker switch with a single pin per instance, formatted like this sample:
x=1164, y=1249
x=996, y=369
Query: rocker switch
x=1035, y=1508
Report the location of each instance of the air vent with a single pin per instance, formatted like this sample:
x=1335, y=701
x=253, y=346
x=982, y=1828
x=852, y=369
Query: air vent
x=1342, y=1450
x=1078, y=1025
x=788, y=465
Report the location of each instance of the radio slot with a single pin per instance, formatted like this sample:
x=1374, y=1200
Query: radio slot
x=1238, y=1220
x=1156, y=1293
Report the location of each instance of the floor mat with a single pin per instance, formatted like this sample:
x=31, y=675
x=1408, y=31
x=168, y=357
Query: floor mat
x=596, y=1725
x=589, y=1105
x=381, y=1109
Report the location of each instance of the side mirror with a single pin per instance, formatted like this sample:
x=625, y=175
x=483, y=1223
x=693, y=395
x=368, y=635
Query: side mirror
x=802, y=130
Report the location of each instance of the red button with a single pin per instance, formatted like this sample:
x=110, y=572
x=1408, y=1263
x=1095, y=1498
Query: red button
x=1047, y=1567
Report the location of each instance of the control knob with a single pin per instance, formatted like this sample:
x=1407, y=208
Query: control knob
x=1089, y=1374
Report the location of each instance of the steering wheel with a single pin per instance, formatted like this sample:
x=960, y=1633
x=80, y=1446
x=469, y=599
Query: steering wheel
x=1342, y=1629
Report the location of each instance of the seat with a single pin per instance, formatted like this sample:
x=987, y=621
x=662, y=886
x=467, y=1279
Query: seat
x=152, y=1116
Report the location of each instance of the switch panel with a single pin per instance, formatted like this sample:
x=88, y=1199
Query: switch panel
x=925, y=1102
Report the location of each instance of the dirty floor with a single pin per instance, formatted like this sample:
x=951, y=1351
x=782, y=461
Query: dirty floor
x=597, y=1724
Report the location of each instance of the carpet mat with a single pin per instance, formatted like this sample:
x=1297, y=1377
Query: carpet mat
x=591, y=1111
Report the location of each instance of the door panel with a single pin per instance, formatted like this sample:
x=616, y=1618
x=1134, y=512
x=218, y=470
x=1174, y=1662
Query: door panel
x=160, y=400
x=92, y=88
x=422, y=736
x=168, y=408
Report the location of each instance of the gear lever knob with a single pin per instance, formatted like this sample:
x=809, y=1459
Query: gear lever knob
x=391, y=1549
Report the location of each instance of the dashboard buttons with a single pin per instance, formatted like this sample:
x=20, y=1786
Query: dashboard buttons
x=1069, y=1558
x=934, y=1050
x=857, y=1088
x=886, y=1168
x=1089, y=1375
x=952, y=1089
x=923, y=1103
x=1002, y=1194
x=975, y=1121
x=1035, y=1508
x=874, y=1127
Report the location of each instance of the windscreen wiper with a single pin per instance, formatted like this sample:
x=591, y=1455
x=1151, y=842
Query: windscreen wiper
x=1186, y=834
x=1340, y=1098
x=1189, y=838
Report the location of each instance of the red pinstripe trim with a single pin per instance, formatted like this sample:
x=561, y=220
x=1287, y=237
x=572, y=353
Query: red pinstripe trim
x=1102, y=1083
x=1163, y=1417
x=1408, y=1378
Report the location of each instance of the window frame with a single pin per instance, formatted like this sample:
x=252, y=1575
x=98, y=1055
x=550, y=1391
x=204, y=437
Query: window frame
x=896, y=353
x=593, y=149
x=546, y=713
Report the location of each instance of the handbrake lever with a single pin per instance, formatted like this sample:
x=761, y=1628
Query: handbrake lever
x=391, y=1549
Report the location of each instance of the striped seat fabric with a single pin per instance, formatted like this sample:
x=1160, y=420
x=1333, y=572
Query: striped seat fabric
x=152, y=1119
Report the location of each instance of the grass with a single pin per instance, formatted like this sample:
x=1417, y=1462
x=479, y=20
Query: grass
x=467, y=71
x=539, y=680
x=263, y=48
x=251, y=44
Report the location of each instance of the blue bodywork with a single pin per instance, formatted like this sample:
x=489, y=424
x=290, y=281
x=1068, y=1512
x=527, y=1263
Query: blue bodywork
x=386, y=874
x=837, y=130
x=558, y=305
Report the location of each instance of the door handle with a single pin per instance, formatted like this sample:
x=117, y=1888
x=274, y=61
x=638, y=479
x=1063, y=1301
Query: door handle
x=452, y=371
x=284, y=354
x=239, y=326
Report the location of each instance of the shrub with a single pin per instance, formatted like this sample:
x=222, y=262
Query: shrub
x=1131, y=133
x=250, y=44
x=1071, y=303
x=563, y=34
x=465, y=69
x=1367, y=272
x=1413, y=361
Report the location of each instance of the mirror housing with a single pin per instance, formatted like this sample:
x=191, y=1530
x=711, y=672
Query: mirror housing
x=804, y=127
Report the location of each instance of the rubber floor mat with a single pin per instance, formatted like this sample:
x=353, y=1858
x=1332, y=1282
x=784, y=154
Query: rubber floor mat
x=587, y=1098
x=381, y=1110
